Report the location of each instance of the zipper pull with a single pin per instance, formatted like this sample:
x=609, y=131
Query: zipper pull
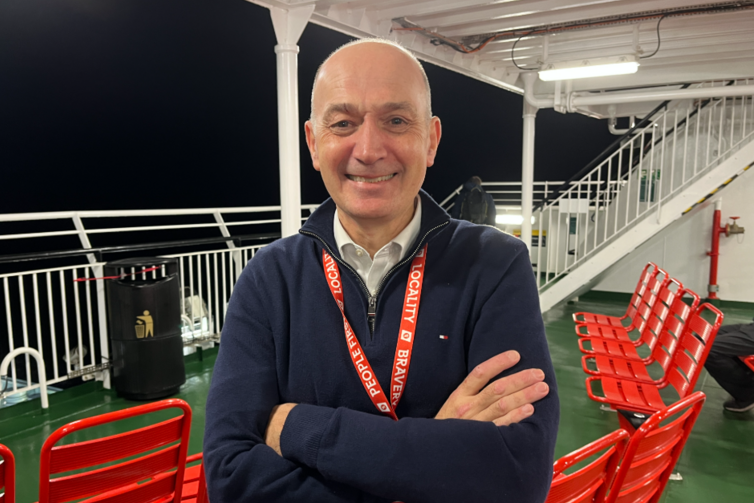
x=372, y=313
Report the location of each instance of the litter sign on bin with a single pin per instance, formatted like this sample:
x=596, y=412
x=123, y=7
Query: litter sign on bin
x=144, y=326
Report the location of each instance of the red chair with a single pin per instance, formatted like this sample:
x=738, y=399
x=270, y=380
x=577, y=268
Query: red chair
x=590, y=483
x=663, y=340
x=7, y=475
x=668, y=305
x=194, y=482
x=658, y=283
x=653, y=451
x=157, y=455
x=618, y=321
x=749, y=361
x=682, y=374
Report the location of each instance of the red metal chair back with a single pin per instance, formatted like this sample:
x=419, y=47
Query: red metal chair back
x=653, y=451
x=195, y=482
x=156, y=454
x=650, y=293
x=641, y=286
x=7, y=475
x=693, y=348
x=660, y=311
x=673, y=327
x=749, y=361
x=590, y=483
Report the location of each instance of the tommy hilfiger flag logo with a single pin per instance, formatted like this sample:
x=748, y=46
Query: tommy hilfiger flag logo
x=443, y=337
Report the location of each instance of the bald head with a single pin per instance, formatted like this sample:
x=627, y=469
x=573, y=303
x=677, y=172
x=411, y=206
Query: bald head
x=375, y=56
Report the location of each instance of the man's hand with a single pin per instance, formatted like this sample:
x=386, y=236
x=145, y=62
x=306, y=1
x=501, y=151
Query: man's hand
x=275, y=425
x=505, y=401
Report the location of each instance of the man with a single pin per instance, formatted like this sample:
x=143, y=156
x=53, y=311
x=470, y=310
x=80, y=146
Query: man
x=725, y=366
x=312, y=399
x=474, y=204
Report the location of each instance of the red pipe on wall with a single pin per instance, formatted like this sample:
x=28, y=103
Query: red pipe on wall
x=714, y=254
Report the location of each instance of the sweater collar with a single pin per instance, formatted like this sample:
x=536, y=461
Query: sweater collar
x=320, y=222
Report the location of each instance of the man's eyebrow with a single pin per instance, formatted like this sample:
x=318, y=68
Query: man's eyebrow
x=336, y=108
x=396, y=106
x=347, y=108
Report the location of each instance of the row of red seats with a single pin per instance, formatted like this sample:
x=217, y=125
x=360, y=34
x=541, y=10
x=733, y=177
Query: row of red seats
x=150, y=463
x=675, y=334
x=634, y=464
x=631, y=467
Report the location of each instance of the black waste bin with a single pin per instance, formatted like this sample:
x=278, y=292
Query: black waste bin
x=144, y=315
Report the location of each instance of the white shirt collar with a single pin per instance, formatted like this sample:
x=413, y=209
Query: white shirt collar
x=404, y=239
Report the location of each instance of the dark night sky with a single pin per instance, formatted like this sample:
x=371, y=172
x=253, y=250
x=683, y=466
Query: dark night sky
x=124, y=104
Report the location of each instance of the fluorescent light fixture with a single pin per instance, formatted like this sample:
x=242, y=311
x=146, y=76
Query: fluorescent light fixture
x=595, y=67
x=508, y=219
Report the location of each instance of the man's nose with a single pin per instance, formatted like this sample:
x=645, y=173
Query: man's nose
x=370, y=144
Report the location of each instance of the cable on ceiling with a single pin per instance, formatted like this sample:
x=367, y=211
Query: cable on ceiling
x=659, y=40
x=439, y=39
x=513, y=55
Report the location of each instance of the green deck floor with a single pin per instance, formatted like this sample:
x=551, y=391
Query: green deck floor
x=717, y=464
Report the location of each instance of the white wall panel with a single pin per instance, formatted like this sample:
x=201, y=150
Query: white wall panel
x=682, y=249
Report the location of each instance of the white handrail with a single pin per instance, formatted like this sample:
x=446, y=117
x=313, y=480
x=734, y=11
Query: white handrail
x=40, y=368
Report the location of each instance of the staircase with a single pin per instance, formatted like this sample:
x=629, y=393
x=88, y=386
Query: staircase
x=660, y=168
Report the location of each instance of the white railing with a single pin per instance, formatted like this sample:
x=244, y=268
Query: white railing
x=507, y=195
x=659, y=161
x=47, y=310
x=77, y=221
x=208, y=279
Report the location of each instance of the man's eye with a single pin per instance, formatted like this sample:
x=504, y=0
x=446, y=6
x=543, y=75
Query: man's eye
x=341, y=124
x=397, y=121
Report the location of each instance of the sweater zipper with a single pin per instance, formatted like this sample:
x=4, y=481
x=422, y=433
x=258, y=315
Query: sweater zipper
x=372, y=299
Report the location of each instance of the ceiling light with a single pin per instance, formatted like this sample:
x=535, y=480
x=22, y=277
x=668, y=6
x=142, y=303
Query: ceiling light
x=596, y=67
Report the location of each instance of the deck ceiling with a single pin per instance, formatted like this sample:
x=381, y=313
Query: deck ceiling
x=710, y=44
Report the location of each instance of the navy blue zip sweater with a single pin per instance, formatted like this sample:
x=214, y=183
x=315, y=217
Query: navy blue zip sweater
x=283, y=341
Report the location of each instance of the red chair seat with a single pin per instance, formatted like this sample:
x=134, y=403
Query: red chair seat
x=682, y=371
x=618, y=368
x=593, y=331
x=601, y=319
x=625, y=394
x=607, y=347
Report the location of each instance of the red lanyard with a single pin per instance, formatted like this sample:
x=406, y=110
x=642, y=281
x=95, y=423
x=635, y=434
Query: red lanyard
x=405, y=344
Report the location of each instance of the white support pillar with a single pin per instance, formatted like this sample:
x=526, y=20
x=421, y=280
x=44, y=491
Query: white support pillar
x=527, y=166
x=289, y=25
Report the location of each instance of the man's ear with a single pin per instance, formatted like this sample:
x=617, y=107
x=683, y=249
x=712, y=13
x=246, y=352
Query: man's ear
x=311, y=142
x=435, y=132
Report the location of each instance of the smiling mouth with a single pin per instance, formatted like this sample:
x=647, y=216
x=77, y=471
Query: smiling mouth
x=370, y=180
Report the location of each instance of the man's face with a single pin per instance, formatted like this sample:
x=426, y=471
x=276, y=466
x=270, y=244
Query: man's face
x=373, y=139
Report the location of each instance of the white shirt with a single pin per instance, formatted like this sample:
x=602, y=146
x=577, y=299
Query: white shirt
x=372, y=271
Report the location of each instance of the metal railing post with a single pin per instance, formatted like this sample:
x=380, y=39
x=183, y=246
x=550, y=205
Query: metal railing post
x=98, y=271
